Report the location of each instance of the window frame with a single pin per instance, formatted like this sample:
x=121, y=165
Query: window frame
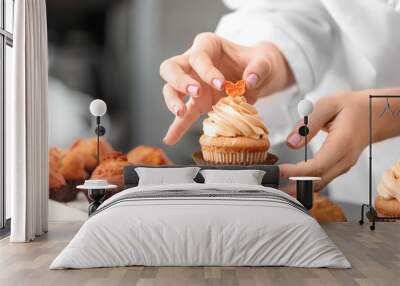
x=6, y=39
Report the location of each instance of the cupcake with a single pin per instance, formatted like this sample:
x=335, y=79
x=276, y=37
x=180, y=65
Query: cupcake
x=65, y=171
x=234, y=133
x=58, y=188
x=147, y=155
x=87, y=148
x=112, y=170
x=56, y=179
x=72, y=166
x=55, y=163
x=387, y=203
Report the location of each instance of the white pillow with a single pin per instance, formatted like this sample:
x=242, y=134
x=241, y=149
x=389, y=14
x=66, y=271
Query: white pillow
x=166, y=176
x=248, y=177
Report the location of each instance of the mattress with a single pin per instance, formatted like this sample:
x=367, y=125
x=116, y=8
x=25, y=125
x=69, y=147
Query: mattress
x=201, y=225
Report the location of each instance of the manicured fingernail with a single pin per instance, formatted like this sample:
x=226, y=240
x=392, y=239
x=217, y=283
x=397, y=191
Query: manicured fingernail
x=193, y=90
x=176, y=109
x=252, y=80
x=294, y=139
x=217, y=83
x=165, y=139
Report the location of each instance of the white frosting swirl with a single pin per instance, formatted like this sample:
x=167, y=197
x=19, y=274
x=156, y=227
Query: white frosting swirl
x=232, y=116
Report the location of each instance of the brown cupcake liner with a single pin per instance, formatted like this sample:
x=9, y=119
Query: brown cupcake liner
x=63, y=195
x=244, y=157
x=67, y=193
x=266, y=159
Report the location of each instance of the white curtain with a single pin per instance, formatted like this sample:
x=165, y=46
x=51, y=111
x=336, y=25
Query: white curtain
x=26, y=123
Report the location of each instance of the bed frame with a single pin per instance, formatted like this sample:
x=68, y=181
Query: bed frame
x=270, y=179
x=131, y=178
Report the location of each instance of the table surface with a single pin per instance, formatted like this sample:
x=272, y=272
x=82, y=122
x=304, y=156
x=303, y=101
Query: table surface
x=374, y=255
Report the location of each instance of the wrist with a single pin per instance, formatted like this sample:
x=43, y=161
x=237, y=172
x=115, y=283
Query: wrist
x=359, y=107
x=385, y=113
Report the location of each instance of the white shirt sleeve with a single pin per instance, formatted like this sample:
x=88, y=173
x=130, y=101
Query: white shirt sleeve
x=302, y=30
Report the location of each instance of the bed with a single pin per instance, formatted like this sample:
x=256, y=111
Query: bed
x=199, y=224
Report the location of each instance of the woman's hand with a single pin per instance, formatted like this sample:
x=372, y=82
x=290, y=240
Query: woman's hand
x=200, y=73
x=344, y=117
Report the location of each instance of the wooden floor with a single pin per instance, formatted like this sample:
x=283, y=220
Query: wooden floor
x=375, y=257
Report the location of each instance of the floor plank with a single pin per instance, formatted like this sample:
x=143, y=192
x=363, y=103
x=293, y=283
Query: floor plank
x=375, y=257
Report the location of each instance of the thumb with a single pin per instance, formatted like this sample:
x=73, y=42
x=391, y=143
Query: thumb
x=267, y=67
x=257, y=71
x=323, y=113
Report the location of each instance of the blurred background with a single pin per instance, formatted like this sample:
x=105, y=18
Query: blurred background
x=112, y=50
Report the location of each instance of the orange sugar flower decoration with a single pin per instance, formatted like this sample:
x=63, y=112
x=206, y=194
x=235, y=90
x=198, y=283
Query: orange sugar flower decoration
x=235, y=89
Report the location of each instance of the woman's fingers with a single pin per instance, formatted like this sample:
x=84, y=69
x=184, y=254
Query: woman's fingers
x=334, y=158
x=330, y=161
x=330, y=153
x=324, y=111
x=182, y=123
x=267, y=68
x=198, y=58
x=205, y=69
x=206, y=47
x=290, y=189
x=341, y=167
x=173, y=73
x=310, y=168
x=257, y=71
x=174, y=100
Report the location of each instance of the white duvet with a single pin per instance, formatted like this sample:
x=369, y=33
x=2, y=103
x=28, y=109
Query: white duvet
x=190, y=231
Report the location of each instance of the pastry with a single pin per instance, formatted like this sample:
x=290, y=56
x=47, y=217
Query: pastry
x=59, y=189
x=56, y=179
x=87, y=149
x=325, y=210
x=55, y=159
x=387, y=203
x=147, y=155
x=111, y=169
x=234, y=133
x=72, y=166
